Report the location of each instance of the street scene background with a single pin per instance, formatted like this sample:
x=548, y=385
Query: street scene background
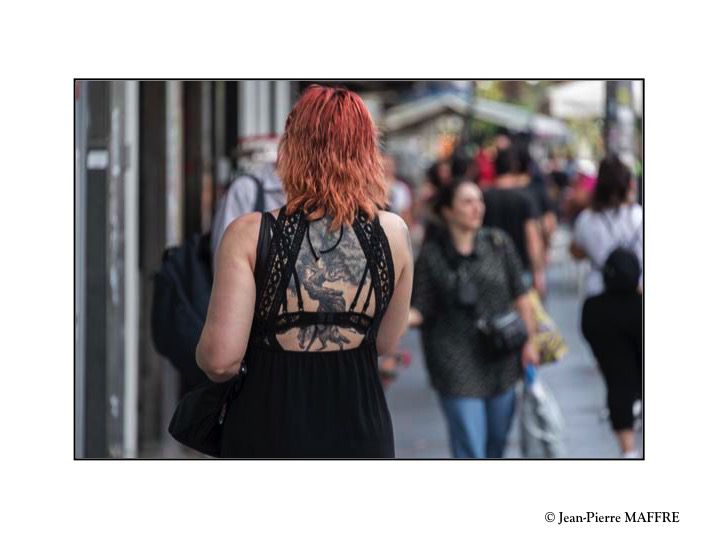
x=155, y=158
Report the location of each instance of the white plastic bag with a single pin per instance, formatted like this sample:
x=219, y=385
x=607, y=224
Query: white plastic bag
x=541, y=422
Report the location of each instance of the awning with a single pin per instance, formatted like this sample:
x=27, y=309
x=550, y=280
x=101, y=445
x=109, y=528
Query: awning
x=586, y=99
x=502, y=114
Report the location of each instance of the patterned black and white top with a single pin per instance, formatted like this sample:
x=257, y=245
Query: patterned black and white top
x=458, y=361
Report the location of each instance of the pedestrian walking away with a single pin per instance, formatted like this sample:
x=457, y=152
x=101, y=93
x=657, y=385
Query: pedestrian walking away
x=609, y=233
x=513, y=209
x=337, y=293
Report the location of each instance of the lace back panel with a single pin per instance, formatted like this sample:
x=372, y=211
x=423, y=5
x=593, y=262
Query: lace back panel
x=324, y=290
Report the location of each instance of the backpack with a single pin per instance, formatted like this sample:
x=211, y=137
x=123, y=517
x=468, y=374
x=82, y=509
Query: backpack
x=259, y=194
x=181, y=296
x=621, y=269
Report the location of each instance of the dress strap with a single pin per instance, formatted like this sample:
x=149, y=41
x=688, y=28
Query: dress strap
x=286, y=241
x=377, y=252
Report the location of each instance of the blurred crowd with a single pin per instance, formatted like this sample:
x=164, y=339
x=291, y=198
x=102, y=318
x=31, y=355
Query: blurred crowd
x=509, y=191
x=482, y=222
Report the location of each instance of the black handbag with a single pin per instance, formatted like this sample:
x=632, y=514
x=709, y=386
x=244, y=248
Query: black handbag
x=505, y=333
x=199, y=417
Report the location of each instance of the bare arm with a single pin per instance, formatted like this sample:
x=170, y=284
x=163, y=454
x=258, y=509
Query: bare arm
x=533, y=236
x=395, y=320
x=536, y=252
x=524, y=308
x=224, y=338
x=549, y=225
x=530, y=353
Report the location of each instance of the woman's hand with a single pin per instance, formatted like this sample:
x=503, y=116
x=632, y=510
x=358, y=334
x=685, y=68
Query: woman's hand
x=388, y=369
x=577, y=252
x=530, y=354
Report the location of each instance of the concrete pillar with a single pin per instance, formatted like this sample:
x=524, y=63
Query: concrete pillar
x=81, y=136
x=174, y=201
x=283, y=103
x=198, y=124
x=153, y=239
x=131, y=136
x=620, y=121
x=95, y=312
x=115, y=261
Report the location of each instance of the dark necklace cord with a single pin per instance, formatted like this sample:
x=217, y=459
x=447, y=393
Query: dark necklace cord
x=317, y=257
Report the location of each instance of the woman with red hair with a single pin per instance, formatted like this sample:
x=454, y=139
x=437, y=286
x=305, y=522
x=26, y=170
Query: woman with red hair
x=336, y=293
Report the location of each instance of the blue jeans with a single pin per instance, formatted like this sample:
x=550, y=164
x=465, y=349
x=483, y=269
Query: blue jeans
x=478, y=427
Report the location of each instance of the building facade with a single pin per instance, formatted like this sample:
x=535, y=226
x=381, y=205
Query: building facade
x=150, y=157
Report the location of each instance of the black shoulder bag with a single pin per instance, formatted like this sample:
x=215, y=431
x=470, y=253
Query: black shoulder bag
x=199, y=416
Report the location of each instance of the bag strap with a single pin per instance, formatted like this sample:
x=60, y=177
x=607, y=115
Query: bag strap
x=262, y=261
x=259, y=194
x=263, y=247
x=618, y=241
x=497, y=242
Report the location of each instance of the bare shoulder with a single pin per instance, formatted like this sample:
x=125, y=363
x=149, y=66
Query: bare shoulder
x=243, y=225
x=393, y=225
x=390, y=220
x=241, y=236
x=397, y=234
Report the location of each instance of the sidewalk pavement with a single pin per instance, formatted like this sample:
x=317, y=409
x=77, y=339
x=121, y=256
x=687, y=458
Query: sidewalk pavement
x=575, y=382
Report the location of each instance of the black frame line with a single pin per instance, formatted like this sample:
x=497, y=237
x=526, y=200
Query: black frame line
x=75, y=458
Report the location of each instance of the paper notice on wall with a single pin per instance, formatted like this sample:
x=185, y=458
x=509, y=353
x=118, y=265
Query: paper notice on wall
x=98, y=159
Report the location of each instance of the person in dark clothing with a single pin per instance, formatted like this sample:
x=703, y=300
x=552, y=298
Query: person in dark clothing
x=475, y=384
x=610, y=235
x=612, y=325
x=514, y=211
x=531, y=179
x=336, y=294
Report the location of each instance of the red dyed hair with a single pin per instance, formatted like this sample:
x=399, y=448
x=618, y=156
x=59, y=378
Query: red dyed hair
x=328, y=158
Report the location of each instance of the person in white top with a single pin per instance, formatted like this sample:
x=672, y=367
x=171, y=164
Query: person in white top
x=241, y=198
x=400, y=197
x=612, y=221
x=611, y=318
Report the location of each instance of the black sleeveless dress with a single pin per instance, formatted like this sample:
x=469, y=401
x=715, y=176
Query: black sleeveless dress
x=312, y=388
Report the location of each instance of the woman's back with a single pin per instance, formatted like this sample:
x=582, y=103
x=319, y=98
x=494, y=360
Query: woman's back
x=324, y=290
x=599, y=232
x=332, y=297
x=312, y=387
